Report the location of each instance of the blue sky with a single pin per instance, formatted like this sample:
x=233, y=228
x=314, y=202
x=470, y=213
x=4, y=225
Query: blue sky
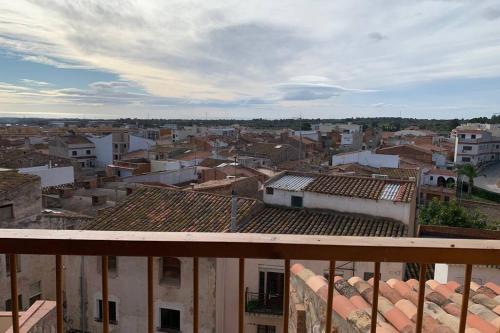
x=234, y=59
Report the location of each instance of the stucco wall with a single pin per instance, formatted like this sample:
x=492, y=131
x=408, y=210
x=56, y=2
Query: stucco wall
x=129, y=289
x=53, y=176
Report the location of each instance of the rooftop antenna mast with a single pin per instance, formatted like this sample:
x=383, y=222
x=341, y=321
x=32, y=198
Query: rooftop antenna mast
x=300, y=138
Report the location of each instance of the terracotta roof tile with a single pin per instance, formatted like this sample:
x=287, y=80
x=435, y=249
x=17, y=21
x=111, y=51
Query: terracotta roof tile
x=278, y=220
x=10, y=180
x=397, y=312
x=163, y=209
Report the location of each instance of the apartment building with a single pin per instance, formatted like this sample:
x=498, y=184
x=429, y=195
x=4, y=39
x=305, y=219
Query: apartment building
x=76, y=147
x=351, y=135
x=162, y=209
x=476, y=146
x=20, y=204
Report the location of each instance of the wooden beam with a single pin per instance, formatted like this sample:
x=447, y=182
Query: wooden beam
x=331, y=288
x=421, y=297
x=13, y=292
x=241, y=245
x=59, y=294
x=465, y=299
x=376, y=280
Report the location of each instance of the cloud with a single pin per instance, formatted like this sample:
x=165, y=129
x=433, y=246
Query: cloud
x=306, y=88
x=35, y=83
x=237, y=53
x=491, y=13
x=377, y=36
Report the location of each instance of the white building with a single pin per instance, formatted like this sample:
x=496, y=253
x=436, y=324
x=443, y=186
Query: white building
x=52, y=176
x=367, y=158
x=476, y=146
x=350, y=194
x=112, y=146
x=75, y=147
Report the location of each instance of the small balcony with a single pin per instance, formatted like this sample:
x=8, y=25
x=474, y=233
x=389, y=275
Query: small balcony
x=262, y=303
x=376, y=250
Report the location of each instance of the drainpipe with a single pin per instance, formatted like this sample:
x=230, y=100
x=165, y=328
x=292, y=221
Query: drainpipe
x=234, y=212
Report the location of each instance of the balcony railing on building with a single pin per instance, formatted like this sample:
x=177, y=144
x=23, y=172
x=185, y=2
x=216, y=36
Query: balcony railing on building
x=262, y=303
x=241, y=246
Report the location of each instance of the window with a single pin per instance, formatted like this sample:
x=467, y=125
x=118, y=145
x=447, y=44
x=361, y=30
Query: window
x=88, y=152
x=6, y=212
x=112, y=311
x=462, y=136
x=35, y=292
x=497, y=146
x=465, y=159
x=269, y=190
x=116, y=145
x=8, y=303
x=473, y=136
x=82, y=164
x=7, y=264
x=297, y=201
x=171, y=271
x=266, y=329
x=432, y=177
x=74, y=152
x=170, y=320
x=467, y=148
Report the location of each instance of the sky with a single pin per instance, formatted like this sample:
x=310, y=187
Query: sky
x=249, y=59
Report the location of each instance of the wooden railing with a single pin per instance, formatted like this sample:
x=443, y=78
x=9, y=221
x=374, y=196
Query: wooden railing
x=236, y=245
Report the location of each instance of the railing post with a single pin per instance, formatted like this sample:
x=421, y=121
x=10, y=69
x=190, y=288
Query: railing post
x=331, y=287
x=376, y=280
x=13, y=292
x=465, y=298
x=421, y=297
x=286, y=296
x=150, y=296
x=241, y=293
x=59, y=294
x=105, y=300
x=195, y=295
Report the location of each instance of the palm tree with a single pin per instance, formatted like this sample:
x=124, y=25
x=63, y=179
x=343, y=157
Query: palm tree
x=470, y=172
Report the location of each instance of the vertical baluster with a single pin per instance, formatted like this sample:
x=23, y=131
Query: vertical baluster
x=105, y=300
x=421, y=297
x=59, y=294
x=241, y=294
x=13, y=292
x=329, y=302
x=376, y=279
x=286, y=295
x=465, y=298
x=195, y=294
x=150, y=296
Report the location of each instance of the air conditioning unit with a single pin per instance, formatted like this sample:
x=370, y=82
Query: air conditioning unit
x=378, y=176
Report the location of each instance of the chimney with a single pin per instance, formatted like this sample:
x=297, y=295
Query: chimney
x=234, y=212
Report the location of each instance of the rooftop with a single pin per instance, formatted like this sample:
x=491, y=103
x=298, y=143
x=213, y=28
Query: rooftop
x=9, y=180
x=397, y=303
x=274, y=220
x=343, y=185
x=76, y=140
x=162, y=209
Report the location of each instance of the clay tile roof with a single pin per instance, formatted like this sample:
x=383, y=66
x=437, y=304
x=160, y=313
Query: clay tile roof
x=10, y=180
x=397, y=304
x=163, y=209
x=362, y=187
x=278, y=220
x=76, y=140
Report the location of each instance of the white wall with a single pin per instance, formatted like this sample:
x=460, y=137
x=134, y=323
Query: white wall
x=367, y=158
x=166, y=165
x=103, y=149
x=400, y=211
x=444, y=273
x=52, y=176
x=171, y=177
x=138, y=143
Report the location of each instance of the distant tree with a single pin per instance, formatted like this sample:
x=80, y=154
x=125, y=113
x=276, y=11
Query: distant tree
x=451, y=214
x=470, y=172
x=306, y=127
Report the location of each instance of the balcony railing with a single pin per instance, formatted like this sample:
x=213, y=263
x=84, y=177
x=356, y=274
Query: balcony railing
x=229, y=245
x=263, y=304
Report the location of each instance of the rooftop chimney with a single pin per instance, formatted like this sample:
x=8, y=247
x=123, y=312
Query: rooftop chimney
x=234, y=212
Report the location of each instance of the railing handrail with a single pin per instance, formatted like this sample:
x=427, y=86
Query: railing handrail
x=246, y=245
